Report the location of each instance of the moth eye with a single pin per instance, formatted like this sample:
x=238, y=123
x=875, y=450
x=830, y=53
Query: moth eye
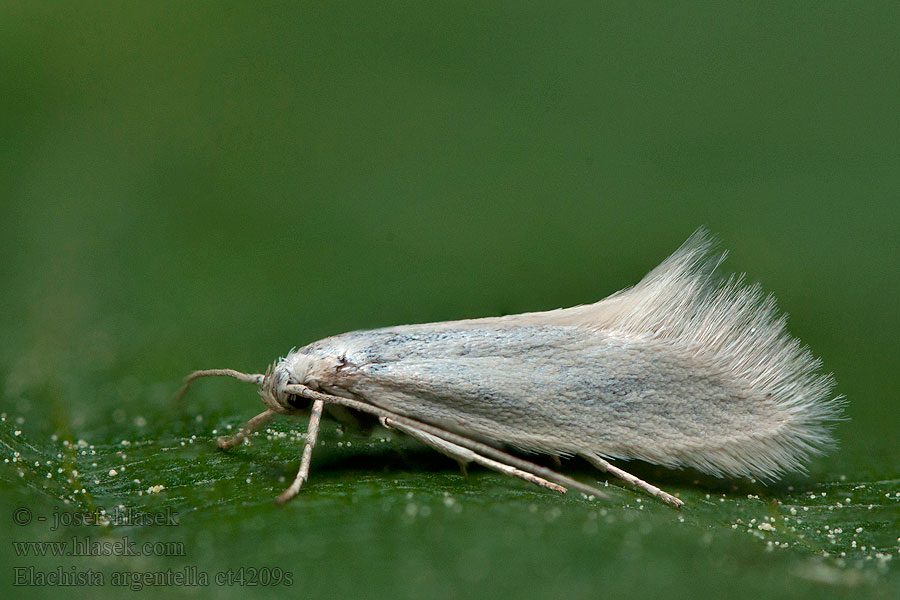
x=298, y=402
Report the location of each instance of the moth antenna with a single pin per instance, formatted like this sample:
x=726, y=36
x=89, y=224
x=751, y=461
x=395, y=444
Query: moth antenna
x=255, y=378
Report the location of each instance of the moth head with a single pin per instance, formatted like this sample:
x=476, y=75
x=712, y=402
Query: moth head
x=273, y=393
x=312, y=370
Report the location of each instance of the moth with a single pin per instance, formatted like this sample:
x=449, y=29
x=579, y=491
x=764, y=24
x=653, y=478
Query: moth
x=685, y=369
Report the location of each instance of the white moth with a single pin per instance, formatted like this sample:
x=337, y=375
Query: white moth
x=681, y=370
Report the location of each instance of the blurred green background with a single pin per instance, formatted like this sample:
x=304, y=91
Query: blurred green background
x=208, y=184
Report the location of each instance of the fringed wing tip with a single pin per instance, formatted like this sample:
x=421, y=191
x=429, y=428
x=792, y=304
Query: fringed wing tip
x=736, y=329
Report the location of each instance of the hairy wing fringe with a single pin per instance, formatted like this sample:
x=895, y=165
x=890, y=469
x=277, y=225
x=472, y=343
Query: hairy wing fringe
x=734, y=326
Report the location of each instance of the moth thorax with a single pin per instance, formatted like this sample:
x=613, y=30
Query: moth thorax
x=314, y=369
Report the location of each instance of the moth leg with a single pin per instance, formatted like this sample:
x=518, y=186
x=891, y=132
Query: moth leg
x=638, y=483
x=455, y=438
x=254, y=424
x=312, y=433
x=464, y=455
